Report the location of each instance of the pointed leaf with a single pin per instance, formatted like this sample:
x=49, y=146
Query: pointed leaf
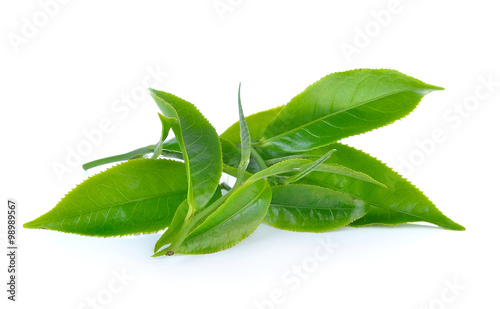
x=231, y=156
x=306, y=208
x=403, y=202
x=138, y=196
x=341, y=105
x=199, y=144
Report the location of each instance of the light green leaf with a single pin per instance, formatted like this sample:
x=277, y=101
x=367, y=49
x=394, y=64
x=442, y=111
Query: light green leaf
x=403, y=202
x=179, y=217
x=199, y=144
x=246, y=143
x=306, y=208
x=138, y=196
x=343, y=104
x=166, y=124
x=232, y=222
x=231, y=156
x=178, y=220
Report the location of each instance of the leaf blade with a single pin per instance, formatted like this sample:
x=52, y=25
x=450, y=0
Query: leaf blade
x=296, y=166
x=232, y=222
x=131, y=197
x=178, y=220
x=246, y=143
x=256, y=123
x=402, y=203
x=166, y=125
x=343, y=104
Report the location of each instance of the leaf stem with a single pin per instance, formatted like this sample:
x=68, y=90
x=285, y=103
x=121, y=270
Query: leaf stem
x=121, y=157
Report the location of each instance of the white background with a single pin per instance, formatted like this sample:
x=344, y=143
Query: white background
x=73, y=71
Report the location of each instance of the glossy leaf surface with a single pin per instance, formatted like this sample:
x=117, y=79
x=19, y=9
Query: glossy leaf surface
x=138, y=196
x=231, y=156
x=403, y=202
x=199, y=144
x=178, y=220
x=175, y=226
x=343, y=104
x=237, y=218
x=306, y=208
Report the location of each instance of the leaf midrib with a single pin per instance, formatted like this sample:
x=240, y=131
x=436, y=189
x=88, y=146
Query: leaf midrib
x=392, y=209
x=110, y=206
x=311, y=207
x=264, y=142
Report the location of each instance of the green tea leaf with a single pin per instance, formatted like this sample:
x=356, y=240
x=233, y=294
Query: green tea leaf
x=306, y=208
x=138, y=196
x=166, y=124
x=232, y=222
x=402, y=203
x=246, y=143
x=179, y=217
x=343, y=104
x=256, y=123
x=199, y=144
x=295, y=166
